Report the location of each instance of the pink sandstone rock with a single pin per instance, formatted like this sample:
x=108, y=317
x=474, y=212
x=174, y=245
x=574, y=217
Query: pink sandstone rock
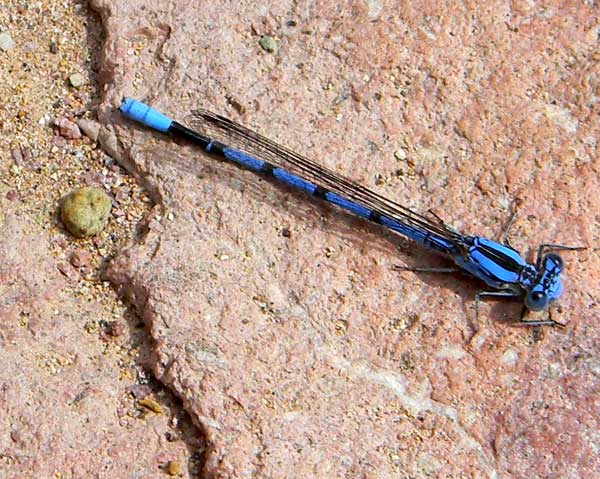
x=65, y=404
x=304, y=354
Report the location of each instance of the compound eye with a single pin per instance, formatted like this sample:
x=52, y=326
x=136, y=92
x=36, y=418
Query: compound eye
x=536, y=300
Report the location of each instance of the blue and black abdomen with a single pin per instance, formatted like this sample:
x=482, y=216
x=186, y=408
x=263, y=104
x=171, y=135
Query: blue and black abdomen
x=420, y=235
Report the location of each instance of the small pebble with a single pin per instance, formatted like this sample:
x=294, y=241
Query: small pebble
x=12, y=195
x=17, y=156
x=93, y=178
x=139, y=391
x=90, y=128
x=60, y=241
x=174, y=468
x=80, y=258
x=26, y=152
x=67, y=270
x=114, y=329
x=174, y=422
x=151, y=404
x=44, y=120
x=400, y=154
x=67, y=128
x=58, y=141
x=84, y=212
x=269, y=44
x=121, y=193
x=83, y=97
x=76, y=80
x=6, y=42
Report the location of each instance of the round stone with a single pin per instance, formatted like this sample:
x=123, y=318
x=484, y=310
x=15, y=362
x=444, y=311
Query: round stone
x=84, y=212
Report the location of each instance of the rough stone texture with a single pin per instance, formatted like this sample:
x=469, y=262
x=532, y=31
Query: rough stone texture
x=67, y=405
x=278, y=320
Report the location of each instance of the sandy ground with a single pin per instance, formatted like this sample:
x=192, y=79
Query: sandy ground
x=51, y=41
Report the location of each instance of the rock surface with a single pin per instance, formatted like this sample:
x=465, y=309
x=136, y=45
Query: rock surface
x=278, y=320
x=66, y=398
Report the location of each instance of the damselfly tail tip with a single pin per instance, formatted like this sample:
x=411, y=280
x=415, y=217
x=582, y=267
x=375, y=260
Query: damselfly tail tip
x=138, y=111
x=126, y=103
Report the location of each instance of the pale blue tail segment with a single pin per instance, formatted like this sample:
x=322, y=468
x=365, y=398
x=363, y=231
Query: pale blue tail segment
x=138, y=111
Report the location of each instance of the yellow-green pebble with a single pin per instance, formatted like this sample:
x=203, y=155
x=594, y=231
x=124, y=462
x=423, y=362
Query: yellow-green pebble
x=174, y=468
x=269, y=44
x=84, y=211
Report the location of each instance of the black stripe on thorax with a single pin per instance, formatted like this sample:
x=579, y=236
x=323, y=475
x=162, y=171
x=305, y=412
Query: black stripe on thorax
x=500, y=258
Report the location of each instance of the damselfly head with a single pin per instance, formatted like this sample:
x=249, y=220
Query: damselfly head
x=548, y=285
